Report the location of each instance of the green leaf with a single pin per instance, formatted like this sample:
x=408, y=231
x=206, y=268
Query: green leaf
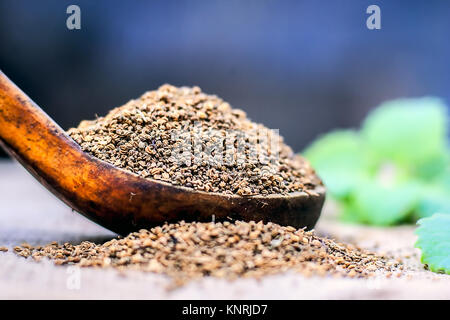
x=340, y=182
x=407, y=131
x=340, y=160
x=434, y=241
x=378, y=204
x=433, y=167
x=444, y=179
x=349, y=213
x=396, y=168
x=434, y=199
x=337, y=148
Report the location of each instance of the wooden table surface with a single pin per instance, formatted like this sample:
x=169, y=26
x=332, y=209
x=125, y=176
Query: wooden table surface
x=29, y=213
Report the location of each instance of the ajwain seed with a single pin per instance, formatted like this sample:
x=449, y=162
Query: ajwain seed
x=186, y=251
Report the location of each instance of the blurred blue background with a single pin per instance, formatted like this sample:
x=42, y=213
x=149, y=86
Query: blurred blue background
x=304, y=67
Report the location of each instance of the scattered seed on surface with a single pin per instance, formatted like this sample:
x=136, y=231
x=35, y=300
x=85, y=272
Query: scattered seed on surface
x=186, y=251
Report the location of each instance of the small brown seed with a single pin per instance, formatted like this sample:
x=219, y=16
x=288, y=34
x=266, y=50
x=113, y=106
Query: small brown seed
x=139, y=137
x=187, y=251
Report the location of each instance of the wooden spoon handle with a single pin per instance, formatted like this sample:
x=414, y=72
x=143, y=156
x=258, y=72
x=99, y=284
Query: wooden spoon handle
x=27, y=132
x=29, y=135
x=89, y=186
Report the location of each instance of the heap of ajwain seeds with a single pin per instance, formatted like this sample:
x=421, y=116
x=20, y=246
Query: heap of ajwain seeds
x=233, y=155
x=186, y=251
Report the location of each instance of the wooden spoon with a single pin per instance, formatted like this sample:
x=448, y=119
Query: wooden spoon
x=119, y=200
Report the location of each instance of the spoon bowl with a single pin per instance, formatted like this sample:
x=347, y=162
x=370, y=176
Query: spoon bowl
x=119, y=200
